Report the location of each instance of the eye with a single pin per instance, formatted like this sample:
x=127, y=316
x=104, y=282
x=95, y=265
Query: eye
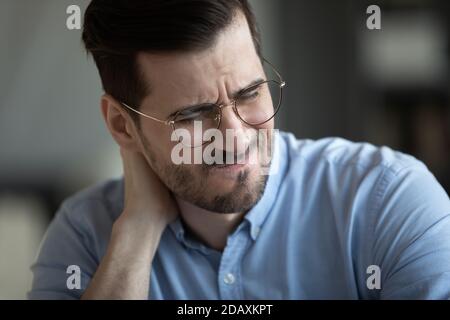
x=251, y=93
x=193, y=114
x=188, y=116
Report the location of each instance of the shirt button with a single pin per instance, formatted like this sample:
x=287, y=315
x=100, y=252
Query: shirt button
x=229, y=278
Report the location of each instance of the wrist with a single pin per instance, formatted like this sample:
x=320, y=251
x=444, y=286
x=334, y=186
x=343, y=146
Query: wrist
x=140, y=225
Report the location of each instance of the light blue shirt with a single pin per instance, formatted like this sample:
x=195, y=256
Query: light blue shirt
x=338, y=220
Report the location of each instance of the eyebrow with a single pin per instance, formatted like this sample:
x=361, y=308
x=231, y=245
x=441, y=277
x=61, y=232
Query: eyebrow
x=234, y=95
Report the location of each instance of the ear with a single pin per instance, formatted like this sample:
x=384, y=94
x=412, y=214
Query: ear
x=119, y=123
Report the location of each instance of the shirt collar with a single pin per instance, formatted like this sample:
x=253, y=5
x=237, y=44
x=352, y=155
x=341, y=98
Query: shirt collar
x=177, y=228
x=258, y=214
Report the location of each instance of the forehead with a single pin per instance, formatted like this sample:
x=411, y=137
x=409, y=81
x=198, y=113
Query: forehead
x=189, y=77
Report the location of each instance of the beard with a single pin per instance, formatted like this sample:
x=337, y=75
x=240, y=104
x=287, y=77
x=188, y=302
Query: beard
x=194, y=189
x=190, y=183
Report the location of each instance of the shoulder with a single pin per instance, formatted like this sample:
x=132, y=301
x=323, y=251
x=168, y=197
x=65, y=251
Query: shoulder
x=89, y=214
x=344, y=154
x=102, y=200
x=78, y=235
x=360, y=179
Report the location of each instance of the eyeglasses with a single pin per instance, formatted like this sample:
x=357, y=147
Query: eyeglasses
x=254, y=105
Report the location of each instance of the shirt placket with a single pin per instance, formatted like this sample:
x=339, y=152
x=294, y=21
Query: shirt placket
x=229, y=277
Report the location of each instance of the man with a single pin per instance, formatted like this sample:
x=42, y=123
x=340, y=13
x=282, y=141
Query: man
x=330, y=219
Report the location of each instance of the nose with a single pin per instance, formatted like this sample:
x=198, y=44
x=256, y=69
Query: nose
x=234, y=131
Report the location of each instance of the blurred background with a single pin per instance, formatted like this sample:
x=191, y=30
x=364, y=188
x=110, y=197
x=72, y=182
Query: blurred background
x=388, y=87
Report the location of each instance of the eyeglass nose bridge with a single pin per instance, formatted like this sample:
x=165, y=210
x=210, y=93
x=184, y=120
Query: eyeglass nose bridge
x=224, y=105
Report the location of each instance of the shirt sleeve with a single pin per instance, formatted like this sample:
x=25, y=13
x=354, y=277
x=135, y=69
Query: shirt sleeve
x=412, y=236
x=65, y=244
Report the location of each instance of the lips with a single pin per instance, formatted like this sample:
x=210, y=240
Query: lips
x=229, y=166
x=243, y=159
x=238, y=162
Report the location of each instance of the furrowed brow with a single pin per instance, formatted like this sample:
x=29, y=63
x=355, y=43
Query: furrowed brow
x=200, y=105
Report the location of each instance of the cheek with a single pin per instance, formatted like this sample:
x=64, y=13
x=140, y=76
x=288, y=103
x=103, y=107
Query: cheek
x=268, y=125
x=157, y=141
x=265, y=141
x=266, y=128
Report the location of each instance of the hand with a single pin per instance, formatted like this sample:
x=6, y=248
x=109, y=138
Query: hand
x=123, y=272
x=146, y=198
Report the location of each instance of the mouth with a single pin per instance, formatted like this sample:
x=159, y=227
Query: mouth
x=239, y=162
x=229, y=167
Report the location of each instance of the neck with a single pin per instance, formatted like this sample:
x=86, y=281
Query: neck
x=211, y=228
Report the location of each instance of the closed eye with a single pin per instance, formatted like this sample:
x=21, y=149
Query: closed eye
x=194, y=113
x=251, y=93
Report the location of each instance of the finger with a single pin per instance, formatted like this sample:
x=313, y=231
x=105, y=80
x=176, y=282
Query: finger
x=127, y=165
x=124, y=157
x=134, y=163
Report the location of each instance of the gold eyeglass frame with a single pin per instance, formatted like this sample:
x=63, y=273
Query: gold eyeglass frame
x=172, y=120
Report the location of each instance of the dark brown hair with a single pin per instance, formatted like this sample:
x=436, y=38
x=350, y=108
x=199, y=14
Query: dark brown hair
x=115, y=31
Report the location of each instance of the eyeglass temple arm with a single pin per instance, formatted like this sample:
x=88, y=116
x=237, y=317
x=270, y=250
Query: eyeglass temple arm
x=282, y=82
x=170, y=122
x=166, y=122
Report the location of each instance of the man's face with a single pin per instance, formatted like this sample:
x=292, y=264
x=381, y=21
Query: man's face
x=185, y=79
